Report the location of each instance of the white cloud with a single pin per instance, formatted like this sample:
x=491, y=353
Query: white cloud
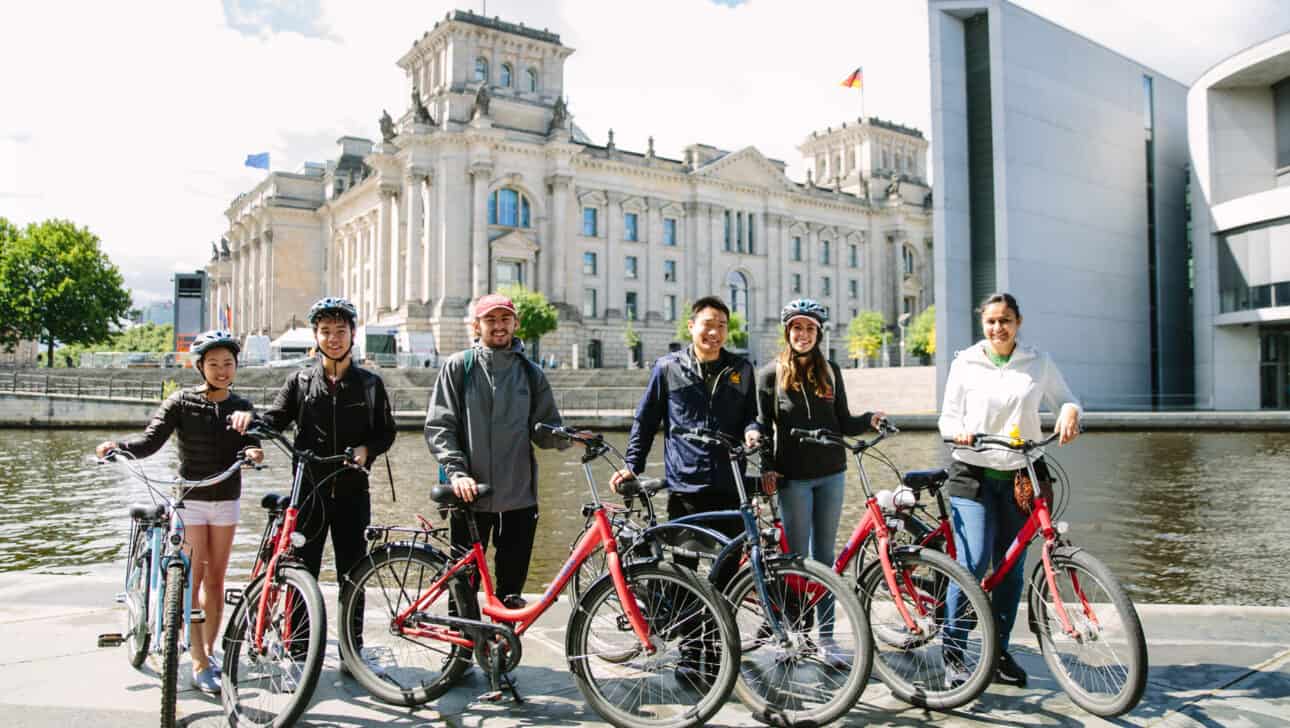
x=134, y=118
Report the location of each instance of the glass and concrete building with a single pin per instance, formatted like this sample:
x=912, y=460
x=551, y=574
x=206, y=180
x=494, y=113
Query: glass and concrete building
x=485, y=180
x=1060, y=170
x=1238, y=116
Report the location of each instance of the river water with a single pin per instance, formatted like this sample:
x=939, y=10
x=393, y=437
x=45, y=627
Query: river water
x=1187, y=518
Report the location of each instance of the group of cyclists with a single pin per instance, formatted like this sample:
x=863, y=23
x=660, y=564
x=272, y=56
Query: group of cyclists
x=480, y=427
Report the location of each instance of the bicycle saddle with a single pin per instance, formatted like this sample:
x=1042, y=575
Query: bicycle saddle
x=636, y=486
x=148, y=511
x=442, y=494
x=926, y=479
x=275, y=502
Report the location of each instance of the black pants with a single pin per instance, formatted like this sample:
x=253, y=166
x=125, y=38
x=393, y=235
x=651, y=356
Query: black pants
x=687, y=504
x=512, y=532
x=346, y=515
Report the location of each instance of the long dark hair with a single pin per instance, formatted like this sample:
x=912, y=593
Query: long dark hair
x=1004, y=298
x=810, y=368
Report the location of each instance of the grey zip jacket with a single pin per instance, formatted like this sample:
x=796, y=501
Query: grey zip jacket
x=484, y=428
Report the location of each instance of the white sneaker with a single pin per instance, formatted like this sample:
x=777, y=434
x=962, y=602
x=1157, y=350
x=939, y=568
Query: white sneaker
x=832, y=654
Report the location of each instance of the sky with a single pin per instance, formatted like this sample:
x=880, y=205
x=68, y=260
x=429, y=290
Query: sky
x=134, y=119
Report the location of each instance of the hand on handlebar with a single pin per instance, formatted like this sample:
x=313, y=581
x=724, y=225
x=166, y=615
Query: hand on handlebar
x=240, y=421
x=752, y=439
x=253, y=455
x=359, y=456
x=1067, y=425
x=465, y=488
x=965, y=438
x=104, y=448
x=619, y=477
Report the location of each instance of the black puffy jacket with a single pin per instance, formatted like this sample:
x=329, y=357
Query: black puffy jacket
x=356, y=413
x=206, y=445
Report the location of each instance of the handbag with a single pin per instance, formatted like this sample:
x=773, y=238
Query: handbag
x=1023, y=491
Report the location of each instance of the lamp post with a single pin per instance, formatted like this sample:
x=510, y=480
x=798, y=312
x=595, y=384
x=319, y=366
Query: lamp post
x=902, y=322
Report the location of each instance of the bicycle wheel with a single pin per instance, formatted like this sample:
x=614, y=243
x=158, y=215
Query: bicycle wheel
x=137, y=592
x=171, y=624
x=400, y=667
x=818, y=673
x=271, y=685
x=687, y=675
x=949, y=661
x=1102, y=662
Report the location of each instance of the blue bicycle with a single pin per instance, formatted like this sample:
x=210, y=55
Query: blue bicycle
x=158, y=590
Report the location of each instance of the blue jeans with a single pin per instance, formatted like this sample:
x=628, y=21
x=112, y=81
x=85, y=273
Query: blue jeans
x=983, y=531
x=811, y=510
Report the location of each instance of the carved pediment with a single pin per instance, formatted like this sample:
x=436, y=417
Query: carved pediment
x=673, y=210
x=593, y=198
x=634, y=204
x=745, y=167
x=514, y=244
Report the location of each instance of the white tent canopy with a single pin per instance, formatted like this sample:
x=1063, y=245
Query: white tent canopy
x=299, y=339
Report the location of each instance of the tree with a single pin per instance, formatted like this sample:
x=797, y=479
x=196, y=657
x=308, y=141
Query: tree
x=632, y=340
x=737, y=329
x=537, y=317
x=57, y=285
x=864, y=335
x=147, y=337
x=8, y=236
x=921, y=337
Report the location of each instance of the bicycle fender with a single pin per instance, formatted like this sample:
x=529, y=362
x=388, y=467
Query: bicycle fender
x=1033, y=605
x=681, y=536
x=897, y=551
x=728, y=562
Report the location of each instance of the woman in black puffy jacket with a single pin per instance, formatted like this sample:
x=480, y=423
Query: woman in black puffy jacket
x=196, y=415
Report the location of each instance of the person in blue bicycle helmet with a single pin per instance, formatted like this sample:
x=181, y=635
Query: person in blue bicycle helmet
x=802, y=389
x=196, y=415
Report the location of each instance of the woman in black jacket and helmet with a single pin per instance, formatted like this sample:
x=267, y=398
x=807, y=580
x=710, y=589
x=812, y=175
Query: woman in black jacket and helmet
x=196, y=415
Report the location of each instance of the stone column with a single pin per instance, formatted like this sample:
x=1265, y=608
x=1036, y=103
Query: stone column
x=413, y=196
x=480, y=175
x=652, y=276
x=614, y=268
x=428, y=258
x=717, y=218
x=381, y=256
x=810, y=250
x=690, y=244
x=397, y=260
x=270, y=285
x=559, y=249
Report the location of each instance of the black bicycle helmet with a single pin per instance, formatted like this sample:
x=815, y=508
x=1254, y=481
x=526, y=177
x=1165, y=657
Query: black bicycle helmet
x=214, y=339
x=333, y=306
x=804, y=307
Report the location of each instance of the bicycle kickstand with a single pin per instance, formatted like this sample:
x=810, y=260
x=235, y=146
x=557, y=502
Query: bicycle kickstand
x=497, y=680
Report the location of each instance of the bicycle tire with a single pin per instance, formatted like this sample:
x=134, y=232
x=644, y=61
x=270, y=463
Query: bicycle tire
x=806, y=682
x=137, y=592
x=679, y=608
x=171, y=624
x=389, y=579
x=914, y=668
x=252, y=679
x=1125, y=671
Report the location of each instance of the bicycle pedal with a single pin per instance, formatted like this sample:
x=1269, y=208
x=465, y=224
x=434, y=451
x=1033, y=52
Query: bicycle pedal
x=119, y=598
x=111, y=639
x=197, y=616
x=232, y=597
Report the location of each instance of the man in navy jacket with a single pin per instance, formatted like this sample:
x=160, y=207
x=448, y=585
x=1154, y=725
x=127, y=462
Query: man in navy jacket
x=701, y=386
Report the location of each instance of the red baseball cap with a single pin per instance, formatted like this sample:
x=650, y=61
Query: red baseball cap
x=493, y=301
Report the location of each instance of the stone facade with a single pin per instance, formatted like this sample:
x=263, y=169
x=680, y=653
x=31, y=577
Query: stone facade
x=490, y=182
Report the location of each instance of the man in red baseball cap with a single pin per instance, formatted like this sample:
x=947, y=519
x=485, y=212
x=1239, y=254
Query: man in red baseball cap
x=480, y=428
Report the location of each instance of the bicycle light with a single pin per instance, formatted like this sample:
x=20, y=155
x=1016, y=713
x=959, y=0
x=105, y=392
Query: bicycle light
x=298, y=539
x=1062, y=527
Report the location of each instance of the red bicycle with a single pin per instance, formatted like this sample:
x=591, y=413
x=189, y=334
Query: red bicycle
x=648, y=644
x=1088, y=630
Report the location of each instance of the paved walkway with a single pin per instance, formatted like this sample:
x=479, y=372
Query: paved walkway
x=1210, y=666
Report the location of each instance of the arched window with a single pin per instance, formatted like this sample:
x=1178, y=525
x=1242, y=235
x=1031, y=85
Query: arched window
x=481, y=69
x=509, y=208
x=504, y=79
x=907, y=261
x=533, y=80
x=737, y=284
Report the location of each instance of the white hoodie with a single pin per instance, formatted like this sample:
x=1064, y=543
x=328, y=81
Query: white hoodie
x=982, y=397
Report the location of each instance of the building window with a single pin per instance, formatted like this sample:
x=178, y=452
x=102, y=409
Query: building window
x=669, y=307
x=509, y=208
x=629, y=266
x=825, y=252
x=737, y=284
x=907, y=261
x=886, y=159
x=589, y=222
x=853, y=251
x=826, y=286
x=669, y=271
x=589, y=302
x=629, y=306
x=508, y=273
x=669, y=231
x=504, y=78
x=588, y=264
x=533, y=80
x=629, y=227
x=751, y=249
x=797, y=248
x=797, y=283
x=481, y=69
x=727, y=245
x=1281, y=119
x=739, y=231
x=910, y=303
x=853, y=288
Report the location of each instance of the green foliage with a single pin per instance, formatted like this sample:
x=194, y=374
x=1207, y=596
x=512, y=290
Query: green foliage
x=57, y=285
x=737, y=333
x=147, y=337
x=169, y=387
x=537, y=317
x=864, y=335
x=682, y=324
x=921, y=336
x=630, y=337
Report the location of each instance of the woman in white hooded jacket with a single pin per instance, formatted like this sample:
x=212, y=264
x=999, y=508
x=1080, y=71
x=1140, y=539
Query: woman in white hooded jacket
x=994, y=386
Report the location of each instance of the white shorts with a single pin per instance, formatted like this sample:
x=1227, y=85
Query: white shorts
x=211, y=513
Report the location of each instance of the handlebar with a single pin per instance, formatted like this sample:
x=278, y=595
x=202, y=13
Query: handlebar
x=1019, y=445
x=111, y=456
x=715, y=438
x=261, y=429
x=570, y=434
x=829, y=438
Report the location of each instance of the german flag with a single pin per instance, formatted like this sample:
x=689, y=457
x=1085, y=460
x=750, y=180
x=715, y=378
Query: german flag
x=855, y=80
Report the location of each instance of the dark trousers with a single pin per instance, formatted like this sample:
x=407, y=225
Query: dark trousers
x=512, y=532
x=695, y=652
x=346, y=515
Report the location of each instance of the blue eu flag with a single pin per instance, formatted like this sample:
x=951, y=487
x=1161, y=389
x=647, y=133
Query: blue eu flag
x=260, y=160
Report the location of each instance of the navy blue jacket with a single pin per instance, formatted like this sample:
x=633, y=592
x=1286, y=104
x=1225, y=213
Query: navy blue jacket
x=676, y=396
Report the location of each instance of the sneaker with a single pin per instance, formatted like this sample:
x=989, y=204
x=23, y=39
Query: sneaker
x=1008, y=672
x=286, y=681
x=696, y=673
x=514, y=601
x=215, y=663
x=206, y=681
x=956, y=673
x=832, y=654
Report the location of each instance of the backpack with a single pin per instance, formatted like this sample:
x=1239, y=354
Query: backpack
x=530, y=370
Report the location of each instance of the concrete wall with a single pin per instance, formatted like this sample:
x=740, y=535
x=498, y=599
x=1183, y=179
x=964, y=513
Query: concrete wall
x=38, y=410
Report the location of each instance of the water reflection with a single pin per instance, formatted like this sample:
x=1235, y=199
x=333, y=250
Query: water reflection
x=1180, y=517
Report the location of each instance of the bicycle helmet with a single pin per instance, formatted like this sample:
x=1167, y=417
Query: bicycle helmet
x=333, y=306
x=208, y=340
x=804, y=308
